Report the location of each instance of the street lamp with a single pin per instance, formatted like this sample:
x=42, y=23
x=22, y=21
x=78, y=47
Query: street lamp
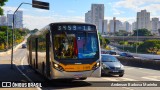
x=7, y=27
x=36, y=4
x=137, y=34
x=123, y=43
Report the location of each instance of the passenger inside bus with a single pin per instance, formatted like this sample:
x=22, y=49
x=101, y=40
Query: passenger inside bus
x=65, y=47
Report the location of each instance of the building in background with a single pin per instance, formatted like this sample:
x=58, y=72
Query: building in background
x=119, y=25
x=111, y=26
x=18, y=23
x=96, y=16
x=127, y=26
x=88, y=17
x=105, y=26
x=19, y=19
x=9, y=20
x=3, y=21
x=97, y=11
x=143, y=20
x=155, y=26
x=115, y=26
x=134, y=26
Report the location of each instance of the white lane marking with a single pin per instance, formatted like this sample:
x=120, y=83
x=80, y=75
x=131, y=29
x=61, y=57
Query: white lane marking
x=119, y=79
x=127, y=88
x=128, y=79
x=22, y=62
x=110, y=79
x=22, y=73
x=25, y=75
x=153, y=78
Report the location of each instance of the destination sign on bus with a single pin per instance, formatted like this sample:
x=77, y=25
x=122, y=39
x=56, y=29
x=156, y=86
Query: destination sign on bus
x=76, y=27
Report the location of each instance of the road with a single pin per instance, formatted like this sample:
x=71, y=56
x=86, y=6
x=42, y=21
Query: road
x=131, y=74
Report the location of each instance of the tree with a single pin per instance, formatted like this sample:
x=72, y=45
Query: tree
x=152, y=46
x=142, y=32
x=3, y=28
x=33, y=31
x=2, y=37
x=103, y=41
x=122, y=33
x=2, y=3
x=107, y=41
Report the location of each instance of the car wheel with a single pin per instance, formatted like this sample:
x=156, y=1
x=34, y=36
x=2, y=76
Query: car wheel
x=84, y=78
x=121, y=75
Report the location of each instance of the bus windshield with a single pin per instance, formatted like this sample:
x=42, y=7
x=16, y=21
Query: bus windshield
x=81, y=45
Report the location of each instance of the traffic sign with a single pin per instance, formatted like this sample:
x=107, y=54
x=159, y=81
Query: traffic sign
x=40, y=4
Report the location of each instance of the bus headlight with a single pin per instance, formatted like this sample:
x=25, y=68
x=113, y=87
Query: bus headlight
x=57, y=67
x=96, y=66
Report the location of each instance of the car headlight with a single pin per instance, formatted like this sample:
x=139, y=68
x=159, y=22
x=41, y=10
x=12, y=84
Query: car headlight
x=105, y=66
x=122, y=67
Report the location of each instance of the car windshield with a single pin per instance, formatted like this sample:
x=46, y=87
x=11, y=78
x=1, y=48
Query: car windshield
x=106, y=58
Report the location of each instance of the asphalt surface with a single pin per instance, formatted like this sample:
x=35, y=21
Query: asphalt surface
x=131, y=74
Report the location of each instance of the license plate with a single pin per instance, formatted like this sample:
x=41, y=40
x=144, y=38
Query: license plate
x=115, y=71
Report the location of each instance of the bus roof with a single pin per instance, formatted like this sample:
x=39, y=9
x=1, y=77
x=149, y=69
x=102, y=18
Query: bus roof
x=70, y=23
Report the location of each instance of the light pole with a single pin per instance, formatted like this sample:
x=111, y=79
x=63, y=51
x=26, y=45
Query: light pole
x=13, y=32
x=36, y=4
x=123, y=42
x=137, y=36
x=7, y=27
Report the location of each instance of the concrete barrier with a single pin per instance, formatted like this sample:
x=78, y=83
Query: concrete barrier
x=148, y=56
x=152, y=64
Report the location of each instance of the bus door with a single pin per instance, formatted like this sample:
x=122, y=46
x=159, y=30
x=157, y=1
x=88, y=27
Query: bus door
x=48, y=54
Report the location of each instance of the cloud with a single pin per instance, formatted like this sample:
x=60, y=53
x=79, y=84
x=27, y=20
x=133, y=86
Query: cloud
x=137, y=5
x=117, y=12
x=153, y=8
x=39, y=22
x=12, y=9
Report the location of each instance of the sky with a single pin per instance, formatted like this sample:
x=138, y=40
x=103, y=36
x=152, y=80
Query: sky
x=74, y=10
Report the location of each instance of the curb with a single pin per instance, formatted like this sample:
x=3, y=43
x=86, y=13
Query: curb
x=14, y=49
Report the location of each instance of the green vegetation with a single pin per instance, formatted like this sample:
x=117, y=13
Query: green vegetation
x=33, y=31
x=18, y=36
x=103, y=41
x=122, y=33
x=150, y=46
x=2, y=3
x=142, y=32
